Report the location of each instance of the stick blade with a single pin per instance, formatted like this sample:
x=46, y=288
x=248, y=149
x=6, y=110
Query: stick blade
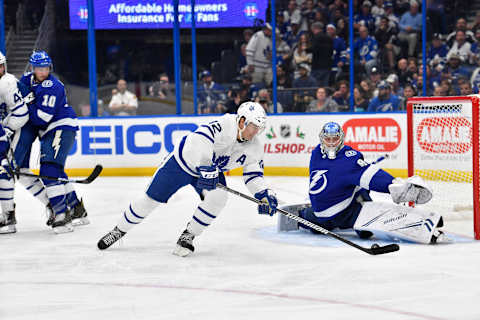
x=95, y=173
x=385, y=249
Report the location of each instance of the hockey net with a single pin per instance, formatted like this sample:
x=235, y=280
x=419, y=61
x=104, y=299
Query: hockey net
x=443, y=148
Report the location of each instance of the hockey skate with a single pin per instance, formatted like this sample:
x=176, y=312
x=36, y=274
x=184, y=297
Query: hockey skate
x=79, y=214
x=184, y=244
x=110, y=238
x=7, y=225
x=50, y=215
x=62, y=223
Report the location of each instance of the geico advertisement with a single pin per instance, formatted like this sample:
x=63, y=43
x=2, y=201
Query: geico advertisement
x=288, y=140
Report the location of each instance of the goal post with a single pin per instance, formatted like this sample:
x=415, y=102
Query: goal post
x=443, y=147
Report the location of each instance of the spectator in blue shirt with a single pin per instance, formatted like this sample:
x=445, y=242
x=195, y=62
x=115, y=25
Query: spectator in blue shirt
x=364, y=18
x=366, y=48
x=386, y=101
x=210, y=94
x=454, y=70
x=410, y=26
x=437, y=55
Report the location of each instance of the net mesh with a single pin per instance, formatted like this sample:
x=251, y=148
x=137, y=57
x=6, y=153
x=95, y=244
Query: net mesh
x=442, y=153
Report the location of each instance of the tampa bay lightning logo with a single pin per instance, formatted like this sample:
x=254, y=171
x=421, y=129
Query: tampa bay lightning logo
x=220, y=162
x=250, y=10
x=318, y=181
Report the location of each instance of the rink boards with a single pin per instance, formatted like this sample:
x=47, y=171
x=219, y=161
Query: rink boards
x=134, y=146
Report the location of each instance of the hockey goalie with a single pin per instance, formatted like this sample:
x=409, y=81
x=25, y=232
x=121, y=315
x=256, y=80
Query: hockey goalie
x=339, y=191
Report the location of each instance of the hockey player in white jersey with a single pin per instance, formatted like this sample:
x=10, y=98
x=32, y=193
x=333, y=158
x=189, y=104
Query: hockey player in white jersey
x=14, y=117
x=340, y=183
x=200, y=159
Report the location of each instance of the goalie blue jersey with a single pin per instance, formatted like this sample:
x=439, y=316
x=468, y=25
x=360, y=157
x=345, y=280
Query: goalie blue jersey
x=337, y=186
x=50, y=110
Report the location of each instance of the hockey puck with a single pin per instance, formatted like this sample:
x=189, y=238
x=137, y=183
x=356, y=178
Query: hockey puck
x=375, y=246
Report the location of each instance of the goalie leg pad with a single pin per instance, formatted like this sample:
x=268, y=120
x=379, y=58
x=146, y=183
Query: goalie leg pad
x=396, y=222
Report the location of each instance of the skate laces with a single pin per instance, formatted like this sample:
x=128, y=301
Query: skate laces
x=186, y=236
x=113, y=236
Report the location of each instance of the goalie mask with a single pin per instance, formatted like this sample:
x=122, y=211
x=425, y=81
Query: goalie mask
x=331, y=139
x=254, y=115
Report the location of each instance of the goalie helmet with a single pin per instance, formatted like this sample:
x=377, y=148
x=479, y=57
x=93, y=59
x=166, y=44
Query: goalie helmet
x=253, y=113
x=331, y=139
x=40, y=59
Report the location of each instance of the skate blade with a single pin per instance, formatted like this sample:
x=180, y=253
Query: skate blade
x=80, y=222
x=181, y=251
x=8, y=229
x=63, y=229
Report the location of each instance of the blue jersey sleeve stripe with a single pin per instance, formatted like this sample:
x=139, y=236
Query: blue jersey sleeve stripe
x=203, y=134
x=251, y=178
x=253, y=173
x=180, y=151
x=209, y=129
x=17, y=107
x=19, y=115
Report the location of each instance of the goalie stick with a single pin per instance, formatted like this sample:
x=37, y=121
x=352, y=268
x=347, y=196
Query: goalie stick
x=374, y=250
x=93, y=175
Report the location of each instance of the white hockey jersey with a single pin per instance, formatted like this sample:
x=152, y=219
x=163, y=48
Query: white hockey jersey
x=216, y=143
x=13, y=109
x=259, y=50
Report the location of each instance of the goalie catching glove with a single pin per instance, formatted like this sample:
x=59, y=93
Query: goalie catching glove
x=414, y=189
x=270, y=202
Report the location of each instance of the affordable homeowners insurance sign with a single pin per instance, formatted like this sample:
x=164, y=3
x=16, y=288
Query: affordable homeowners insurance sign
x=158, y=14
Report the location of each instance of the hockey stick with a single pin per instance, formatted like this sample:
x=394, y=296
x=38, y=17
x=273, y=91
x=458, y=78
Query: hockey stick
x=93, y=175
x=374, y=250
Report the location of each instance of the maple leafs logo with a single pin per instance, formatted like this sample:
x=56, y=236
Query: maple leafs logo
x=221, y=162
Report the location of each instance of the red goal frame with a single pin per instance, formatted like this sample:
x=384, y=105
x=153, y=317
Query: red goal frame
x=475, y=101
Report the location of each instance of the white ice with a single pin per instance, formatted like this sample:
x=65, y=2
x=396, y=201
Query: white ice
x=235, y=272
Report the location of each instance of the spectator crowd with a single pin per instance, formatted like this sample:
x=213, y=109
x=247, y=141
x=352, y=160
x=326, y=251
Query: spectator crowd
x=313, y=58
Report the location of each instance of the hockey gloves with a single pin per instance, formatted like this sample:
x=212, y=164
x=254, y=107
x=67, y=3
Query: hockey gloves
x=270, y=202
x=413, y=189
x=208, y=177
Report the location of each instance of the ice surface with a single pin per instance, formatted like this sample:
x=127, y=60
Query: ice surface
x=240, y=269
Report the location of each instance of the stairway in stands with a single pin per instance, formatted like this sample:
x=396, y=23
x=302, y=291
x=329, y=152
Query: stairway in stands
x=20, y=50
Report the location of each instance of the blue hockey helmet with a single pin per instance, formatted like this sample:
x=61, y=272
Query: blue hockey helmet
x=40, y=59
x=331, y=139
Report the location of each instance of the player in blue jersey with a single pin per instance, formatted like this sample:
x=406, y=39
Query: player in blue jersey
x=199, y=159
x=57, y=125
x=14, y=116
x=340, y=183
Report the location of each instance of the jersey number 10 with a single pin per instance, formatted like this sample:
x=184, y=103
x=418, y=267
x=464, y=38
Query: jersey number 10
x=49, y=101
